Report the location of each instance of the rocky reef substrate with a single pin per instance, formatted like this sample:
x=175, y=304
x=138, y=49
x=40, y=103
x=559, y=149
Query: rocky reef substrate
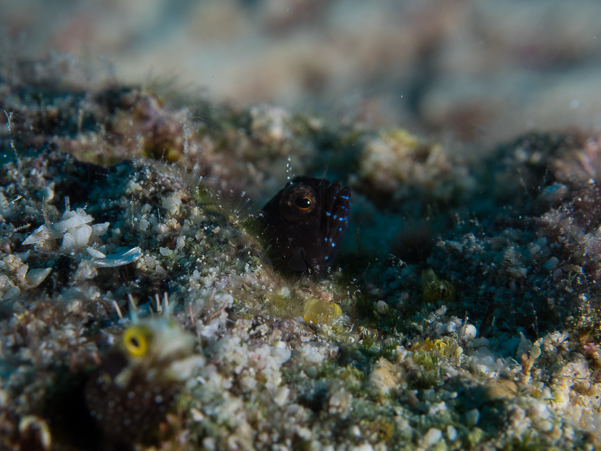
x=466, y=289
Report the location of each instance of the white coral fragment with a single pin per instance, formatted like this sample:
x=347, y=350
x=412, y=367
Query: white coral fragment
x=76, y=238
x=36, y=276
x=100, y=229
x=95, y=253
x=12, y=293
x=171, y=204
x=184, y=369
x=71, y=220
x=39, y=236
x=75, y=231
x=120, y=259
x=73, y=228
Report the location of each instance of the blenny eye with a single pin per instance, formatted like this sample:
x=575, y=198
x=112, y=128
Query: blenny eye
x=304, y=203
x=298, y=202
x=136, y=342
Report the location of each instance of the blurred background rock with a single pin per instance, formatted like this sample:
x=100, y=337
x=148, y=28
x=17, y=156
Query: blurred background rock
x=473, y=71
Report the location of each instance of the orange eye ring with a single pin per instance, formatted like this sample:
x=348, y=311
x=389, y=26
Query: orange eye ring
x=298, y=203
x=135, y=341
x=303, y=203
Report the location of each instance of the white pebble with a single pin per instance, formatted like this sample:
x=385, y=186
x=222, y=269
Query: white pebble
x=551, y=263
x=451, y=433
x=363, y=447
x=432, y=437
x=281, y=396
x=468, y=332
x=472, y=416
x=382, y=307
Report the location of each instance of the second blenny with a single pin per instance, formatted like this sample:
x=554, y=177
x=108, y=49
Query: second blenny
x=305, y=223
x=139, y=379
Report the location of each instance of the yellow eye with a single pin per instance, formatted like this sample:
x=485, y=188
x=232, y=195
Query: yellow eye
x=136, y=342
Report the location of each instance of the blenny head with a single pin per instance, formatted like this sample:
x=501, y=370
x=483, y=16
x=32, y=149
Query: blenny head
x=139, y=378
x=154, y=346
x=304, y=224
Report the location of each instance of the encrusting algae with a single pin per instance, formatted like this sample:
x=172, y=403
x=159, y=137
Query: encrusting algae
x=436, y=289
x=320, y=311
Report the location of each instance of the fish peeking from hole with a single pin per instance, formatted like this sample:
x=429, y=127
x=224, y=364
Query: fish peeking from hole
x=304, y=224
x=139, y=379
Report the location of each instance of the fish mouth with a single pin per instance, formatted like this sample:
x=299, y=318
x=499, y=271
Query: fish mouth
x=299, y=261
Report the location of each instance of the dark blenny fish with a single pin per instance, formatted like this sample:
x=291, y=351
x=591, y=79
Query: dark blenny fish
x=139, y=379
x=305, y=223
